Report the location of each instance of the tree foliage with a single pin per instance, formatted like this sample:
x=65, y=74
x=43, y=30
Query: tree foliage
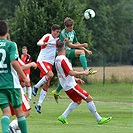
x=109, y=34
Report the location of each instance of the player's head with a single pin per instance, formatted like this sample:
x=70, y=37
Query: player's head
x=24, y=50
x=69, y=24
x=60, y=46
x=55, y=30
x=3, y=28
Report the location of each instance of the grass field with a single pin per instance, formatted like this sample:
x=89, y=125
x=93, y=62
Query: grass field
x=111, y=100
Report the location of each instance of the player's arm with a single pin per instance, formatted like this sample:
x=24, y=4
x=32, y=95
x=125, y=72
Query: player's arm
x=43, y=40
x=86, y=50
x=69, y=71
x=16, y=66
x=27, y=66
x=78, y=80
x=76, y=73
x=76, y=45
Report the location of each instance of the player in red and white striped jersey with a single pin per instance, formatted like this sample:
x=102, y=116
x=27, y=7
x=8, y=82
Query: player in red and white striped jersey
x=73, y=90
x=45, y=62
x=26, y=58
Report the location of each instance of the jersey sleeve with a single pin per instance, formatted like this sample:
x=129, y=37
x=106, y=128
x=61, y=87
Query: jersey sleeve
x=13, y=52
x=65, y=67
x=45, y=38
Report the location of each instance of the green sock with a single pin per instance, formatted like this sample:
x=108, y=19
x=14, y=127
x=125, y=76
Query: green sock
x=22, y=124
x=59, y=88
x=5, y=120
x=83, y=61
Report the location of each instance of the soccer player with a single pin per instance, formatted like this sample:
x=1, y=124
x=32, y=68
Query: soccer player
x=45, y=62
x=73, y=49
x=9, y=81
x=26, y=58
x=13, y=127
x=73, y=90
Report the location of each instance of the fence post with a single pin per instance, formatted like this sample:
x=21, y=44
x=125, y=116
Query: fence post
x=104, y=59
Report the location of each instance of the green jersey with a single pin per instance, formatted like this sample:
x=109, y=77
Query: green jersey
x=70, y=35
x=8, y=76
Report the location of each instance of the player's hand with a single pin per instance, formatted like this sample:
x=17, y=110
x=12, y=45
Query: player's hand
x=89, y=52
x=34, y=65
x=86, y=72
x=78, y=80
x=65, y=40
x=26, y=81
x=85, y=45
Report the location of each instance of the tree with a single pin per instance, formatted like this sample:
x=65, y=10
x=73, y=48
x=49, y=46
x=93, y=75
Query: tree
x=34, y=18
x=7, y=8
x=111, y=30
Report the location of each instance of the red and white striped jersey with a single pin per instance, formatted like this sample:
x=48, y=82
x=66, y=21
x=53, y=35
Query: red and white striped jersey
x=63, y=66
x=47, y=52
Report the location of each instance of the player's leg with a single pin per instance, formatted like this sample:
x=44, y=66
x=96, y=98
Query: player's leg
x=14, y=124
x=4, y=105
x=22, y=84
x=44, y=90
x=56, y=92
x=26, y=110
x=76, y=100
x=83, y=61
x=42, y=96
x=43, y=66
x=92, y=108
x=82, y=58
x=16, y=104
x=86, y=96
x=29, y=86
x=21, y=119
x=5, y=120
x=69, y=109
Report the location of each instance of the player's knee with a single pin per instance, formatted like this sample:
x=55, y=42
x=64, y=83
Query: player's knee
x=81, y=52
x=51, y=76
x=89, y=99
x=27, y=113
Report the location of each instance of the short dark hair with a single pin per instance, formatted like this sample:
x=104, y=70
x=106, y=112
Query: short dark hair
x=3, y=28
x=55, y=27
x=60, y=45
x=24, y=47
x=68, y=22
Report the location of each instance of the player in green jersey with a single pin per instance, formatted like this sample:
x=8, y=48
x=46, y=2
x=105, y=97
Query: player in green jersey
x=9, y=82
x=73, y=49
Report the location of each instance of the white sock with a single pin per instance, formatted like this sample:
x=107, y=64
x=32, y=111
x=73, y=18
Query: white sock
x=40, y=82
x=14, y=123
x=18, y=131
x=70, y=108
x=29, y=92
x=42, y=97
x=24, y=89
x=92, y=108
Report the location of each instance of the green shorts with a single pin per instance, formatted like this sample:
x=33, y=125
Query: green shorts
x=70, y=53
x=10, y=95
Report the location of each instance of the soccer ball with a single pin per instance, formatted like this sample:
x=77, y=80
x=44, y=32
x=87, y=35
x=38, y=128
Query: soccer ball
x=89, y=13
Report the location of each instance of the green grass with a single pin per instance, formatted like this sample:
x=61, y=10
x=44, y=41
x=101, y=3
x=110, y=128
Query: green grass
x=111, y=100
